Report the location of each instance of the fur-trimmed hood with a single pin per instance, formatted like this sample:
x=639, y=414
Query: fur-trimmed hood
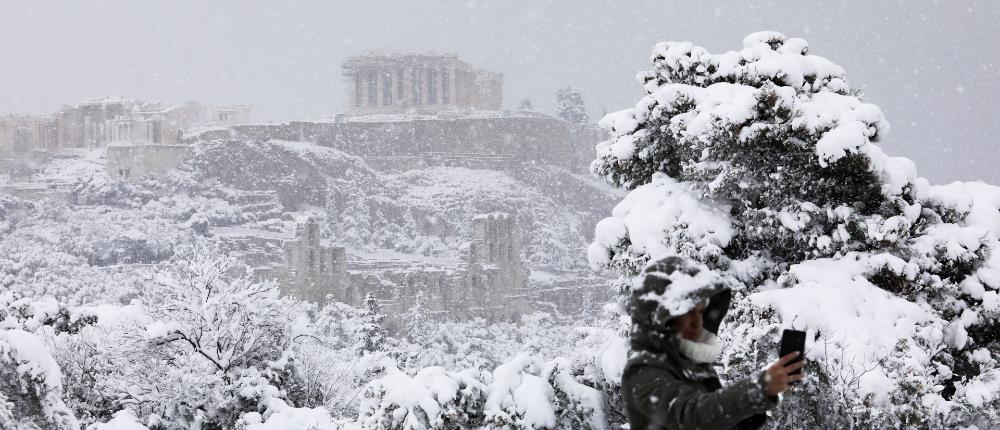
x=668, y=288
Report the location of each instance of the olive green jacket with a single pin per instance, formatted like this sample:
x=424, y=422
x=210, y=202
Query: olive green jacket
x=661, y=388
x=668, y=391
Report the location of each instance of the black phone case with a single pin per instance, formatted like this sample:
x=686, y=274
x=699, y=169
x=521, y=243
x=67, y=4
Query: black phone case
x=793, y=340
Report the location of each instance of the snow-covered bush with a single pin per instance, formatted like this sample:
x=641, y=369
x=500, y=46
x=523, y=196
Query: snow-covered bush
x=96, y=187
x=12, y=209
x=525, y=392
x=478, y=344
x=432, y=398
x=280, y=416
x=31, y=390
x=762, y=163
x=85, y=254
x=529, y=393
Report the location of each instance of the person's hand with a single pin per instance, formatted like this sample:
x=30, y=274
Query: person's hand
x=777, y=377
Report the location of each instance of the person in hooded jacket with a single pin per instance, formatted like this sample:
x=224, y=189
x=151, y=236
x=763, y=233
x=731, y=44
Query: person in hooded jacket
x=669, y=381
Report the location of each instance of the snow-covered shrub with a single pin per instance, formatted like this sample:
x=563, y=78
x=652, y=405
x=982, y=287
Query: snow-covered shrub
x=762, y=163
x=432, y=398
x=12, y=209
x=280, y=416
x=529, y=393
x=31, y=390
x=30, y=314
x=599, y=356
x=85, y=254
x=56, y=325
x=525, y=392
x=97, y=188
x=478, y=344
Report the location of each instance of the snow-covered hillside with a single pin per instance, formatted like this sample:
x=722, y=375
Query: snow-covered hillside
x=100, y=265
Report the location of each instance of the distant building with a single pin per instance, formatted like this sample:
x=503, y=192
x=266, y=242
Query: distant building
x=227, y=116
x=84, y=125
x=133, y=161
x=112, y=121
x=22, y=133
x=146, y=138
x=393, y=83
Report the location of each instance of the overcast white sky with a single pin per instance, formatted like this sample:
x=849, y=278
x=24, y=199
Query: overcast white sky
x=931, y=66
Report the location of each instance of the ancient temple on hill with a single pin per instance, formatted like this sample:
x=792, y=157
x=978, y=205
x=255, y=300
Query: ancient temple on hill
x=425, y=83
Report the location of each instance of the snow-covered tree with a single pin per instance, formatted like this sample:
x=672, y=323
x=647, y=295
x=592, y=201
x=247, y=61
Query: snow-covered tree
x=762, y=163
x=229, y=321
x=569, y=105
x=416, y=321
x=214, y=345
x=525, y=105
x=371, y=333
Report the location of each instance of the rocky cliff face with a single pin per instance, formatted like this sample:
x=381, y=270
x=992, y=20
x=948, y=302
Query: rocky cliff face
x=424, y=211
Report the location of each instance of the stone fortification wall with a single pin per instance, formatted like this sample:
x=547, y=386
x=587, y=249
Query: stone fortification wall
x=489, y=142
x=135, y=161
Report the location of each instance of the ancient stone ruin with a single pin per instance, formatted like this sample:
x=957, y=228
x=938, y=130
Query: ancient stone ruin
x=490, y=281
x=419, y=83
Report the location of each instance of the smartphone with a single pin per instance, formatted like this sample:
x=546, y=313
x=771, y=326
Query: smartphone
x=791, y=341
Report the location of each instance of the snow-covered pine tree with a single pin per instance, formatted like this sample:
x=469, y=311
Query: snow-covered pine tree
x=371, y=333
x=525, y=104
x=569, y=105
x=416, y=320
x=762, y=163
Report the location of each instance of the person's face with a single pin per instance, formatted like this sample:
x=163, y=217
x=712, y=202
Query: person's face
x=689, y=325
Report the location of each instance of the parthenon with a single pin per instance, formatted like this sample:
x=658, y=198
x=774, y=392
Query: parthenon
x=392, y=83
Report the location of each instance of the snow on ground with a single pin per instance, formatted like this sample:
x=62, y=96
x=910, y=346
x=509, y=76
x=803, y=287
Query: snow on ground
x=122, y=420
x=454, y=186
x=281, y=416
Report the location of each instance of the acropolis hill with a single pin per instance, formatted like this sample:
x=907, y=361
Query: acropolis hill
x=404, y=112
